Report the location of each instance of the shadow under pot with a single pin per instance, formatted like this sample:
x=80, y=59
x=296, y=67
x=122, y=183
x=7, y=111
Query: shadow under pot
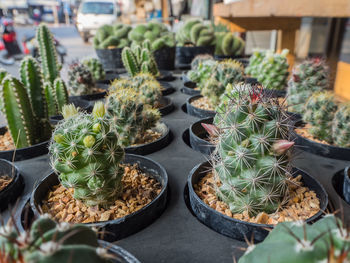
x=167, y=88
x=185, y=55
x=165, y=58
x=317, y=148
x=111, y=59
x=198, y=112
x=22, y=153
x=113, y=230
x=238, y=229
x=199, y=137
x=11, y=184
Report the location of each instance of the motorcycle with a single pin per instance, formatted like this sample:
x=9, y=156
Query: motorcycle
x=9, y=49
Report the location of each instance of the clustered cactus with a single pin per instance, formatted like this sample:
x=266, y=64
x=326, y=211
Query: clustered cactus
x=228, y=44
x=200, y=59
x=307, y=78
x=202, y=69
x=47, y=241
x=112, y=36
x=195, y=33
x=139, y=59
x=80, y=79
x=254, y=62
x=326, y=240
x=85, y=151
x=95, y=68
x=157, y=33
x=251, y=157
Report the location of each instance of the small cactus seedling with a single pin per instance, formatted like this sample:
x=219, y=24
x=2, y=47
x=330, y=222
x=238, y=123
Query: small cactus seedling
x=307, y=78
x=85, y=153
x=326, y=240
x=80, y=80
x=341, y=126
x=95, y=68
x=194, y=32
x=251, y=157
x=112, y=36
x=46, y=241
x=228, y=44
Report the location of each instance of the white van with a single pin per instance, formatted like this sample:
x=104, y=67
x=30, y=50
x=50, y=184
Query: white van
x=95, y=13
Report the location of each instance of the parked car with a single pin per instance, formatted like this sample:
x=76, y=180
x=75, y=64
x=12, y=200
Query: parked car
x=95, y=13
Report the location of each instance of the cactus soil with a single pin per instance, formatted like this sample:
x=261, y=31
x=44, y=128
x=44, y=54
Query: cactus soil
x=202, y=103
x=6, y=142
x=5, y=180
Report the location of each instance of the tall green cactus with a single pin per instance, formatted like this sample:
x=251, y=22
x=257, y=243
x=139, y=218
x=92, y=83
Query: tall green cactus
x=61, y=93
x=50, y=66
x=51, y=99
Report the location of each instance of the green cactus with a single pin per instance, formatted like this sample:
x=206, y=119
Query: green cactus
x=319, y=112
x=340, y=126
x=202, y=66
x=150, y=90
x=308, y=77
x=228, y=44
x=61, y=93
x=326, y=240
x=194, y=32
x=118, y=84
x=47, y=51
x=95, y=68
x=225, y=72
x=254, y=63
x=108, y=37
x=200, y=59
x=49, y=242
x=51, y=99
x=251, y=159
x=85, y=153
x=3, y=74
x=80, y=80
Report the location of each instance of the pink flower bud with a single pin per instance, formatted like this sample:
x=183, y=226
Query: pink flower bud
x=281, y=146
x=211, y=129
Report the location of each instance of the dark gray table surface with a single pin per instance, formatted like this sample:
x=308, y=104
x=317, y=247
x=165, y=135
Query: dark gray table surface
x=177, y=236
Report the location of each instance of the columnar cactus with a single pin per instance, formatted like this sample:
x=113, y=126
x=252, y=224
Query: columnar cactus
x=47, y=241
x=95, y=68
x=80, y=80
x=341, y=126
x=226, y=72
x=228, y=44
x=139, y=59
x=195, y=33
x=61, y=93
x=115, y=36
x=326, y=240
x=85, y=153
x=251, y=157
x=307, y=78
x=48, y=55
x=319, y=112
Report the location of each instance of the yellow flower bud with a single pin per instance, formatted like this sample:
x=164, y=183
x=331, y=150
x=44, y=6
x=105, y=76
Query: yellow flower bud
x=89, y=141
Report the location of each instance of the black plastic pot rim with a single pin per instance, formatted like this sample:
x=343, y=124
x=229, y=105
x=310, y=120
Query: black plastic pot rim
x=168, y=107
x=16, y=174
x=191, y=190
x=115, y=221
x=119, y=251
x=192, y=98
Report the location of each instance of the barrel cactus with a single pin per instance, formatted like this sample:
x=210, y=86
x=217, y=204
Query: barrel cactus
x=86, y=154
x=195, y=33
x=255, y=60
x=326, y=240
x=251, y=156
x=341, y=126
x=112, y=36
x=47, y=241
x=307, y=78
x=228, y=44
x=81, y=81
x=319, y=113
x=95, y=68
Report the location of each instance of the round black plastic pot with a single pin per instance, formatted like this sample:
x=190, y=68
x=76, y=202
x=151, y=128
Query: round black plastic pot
x=166, y=76
x=189, y=88
x=167, y=106
x=91, y=97
x=120, y=228
x=154, y=146
x=242, y=59
x=110, y=59
x=167, y=88
x=197, y=112
x=14, y=189
x=24, y=153
x=274, y=93
x=346, y=185
x=198, y=136
x=110, y=76
x=165, y=58
x=238, y=229
x=325, y=150
x=252, y=81
x=120, y=255
x=185, y=55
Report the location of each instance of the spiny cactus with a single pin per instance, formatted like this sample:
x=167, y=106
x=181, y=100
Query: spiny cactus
x=194, y=32
x=319, y=112
x=51, y=99
x=47, y=241
x=251, y=159
x=254, y=63
x=139, y=59
x=85, y=153
x=95, y=68
x=118, y=84
x=202, y=71
x=47, y=51
x=200, y=59
x=150, y=90
x=112, y=36
x=307, y=78
x=326, y=240
x=226, y=72
x=3, y=74
x=80, y=80
x=228, y=44
x=129, y=115
x=341, y=126
x=61, y=93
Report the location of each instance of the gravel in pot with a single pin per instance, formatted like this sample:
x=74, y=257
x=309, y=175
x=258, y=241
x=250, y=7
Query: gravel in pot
x=199, y=137
x=11, y=184
x=133, y=211
x=218, y=216
x=200, y=107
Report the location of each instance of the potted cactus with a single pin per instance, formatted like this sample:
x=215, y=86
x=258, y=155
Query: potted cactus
x=228, y=45
x=47, y=241
x=109, y=42
x=98, y=73
x=92, y=172
x=250, y=171
x=194, y=38
x=163, y=42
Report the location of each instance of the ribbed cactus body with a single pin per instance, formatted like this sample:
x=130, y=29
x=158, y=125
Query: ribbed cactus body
x=95, y=68
x=250, y=158
x=86, y=154
x=308, y=77
x=254, y=63
x=202, y=71
x=150, y=91
x=3, y=74
x=80, y=80
x=108, y=37
x=61, y=93
x=228, y=44
x=51, y=99
x=341, y=126
x=319, y=112
x=194, y=32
